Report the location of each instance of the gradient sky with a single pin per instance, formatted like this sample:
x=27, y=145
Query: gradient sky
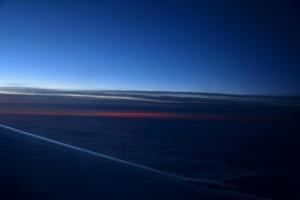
x=244, y=47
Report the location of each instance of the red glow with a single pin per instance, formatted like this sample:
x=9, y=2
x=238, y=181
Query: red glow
x=119, y=114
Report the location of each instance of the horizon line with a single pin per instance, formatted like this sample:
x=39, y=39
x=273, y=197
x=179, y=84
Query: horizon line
x=148, y=91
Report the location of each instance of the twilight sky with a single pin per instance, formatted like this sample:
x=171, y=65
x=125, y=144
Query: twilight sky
x=243, y=47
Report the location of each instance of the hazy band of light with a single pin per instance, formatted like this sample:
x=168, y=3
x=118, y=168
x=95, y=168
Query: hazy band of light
x=108, y=97
x=119, y=114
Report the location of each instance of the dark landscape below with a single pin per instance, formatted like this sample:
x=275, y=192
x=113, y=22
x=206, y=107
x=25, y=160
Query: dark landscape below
x=251, y=142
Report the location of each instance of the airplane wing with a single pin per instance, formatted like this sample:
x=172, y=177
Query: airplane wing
x=34, y=167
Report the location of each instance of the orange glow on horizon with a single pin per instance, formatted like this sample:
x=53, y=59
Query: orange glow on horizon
x=117, y=114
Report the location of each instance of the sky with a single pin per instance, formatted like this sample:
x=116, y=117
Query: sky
x=238, y=47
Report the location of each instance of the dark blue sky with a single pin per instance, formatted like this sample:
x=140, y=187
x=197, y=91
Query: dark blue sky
x=246, y=47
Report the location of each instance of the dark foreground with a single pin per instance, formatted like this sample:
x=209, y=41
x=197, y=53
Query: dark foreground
x=250, y=143
x=36, y=168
